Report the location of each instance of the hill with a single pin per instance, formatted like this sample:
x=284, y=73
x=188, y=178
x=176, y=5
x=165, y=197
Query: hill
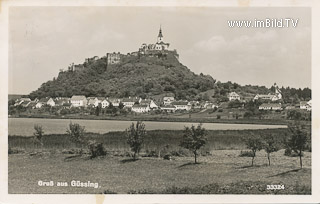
x=143, y=76
x=154, y=76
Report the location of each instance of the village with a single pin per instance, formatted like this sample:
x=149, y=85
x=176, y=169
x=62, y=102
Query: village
x=169, y=104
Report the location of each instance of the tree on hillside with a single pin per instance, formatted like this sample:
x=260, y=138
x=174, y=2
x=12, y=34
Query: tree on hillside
x=135, y=137
x=254, y=143
x=193, y=139
x=270, y=144
x=298, y=140
x=38, y=134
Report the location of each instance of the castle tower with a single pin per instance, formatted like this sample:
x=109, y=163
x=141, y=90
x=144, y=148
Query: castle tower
x=160, y=36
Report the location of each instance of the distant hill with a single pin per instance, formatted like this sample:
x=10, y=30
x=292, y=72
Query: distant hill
x=150, y=77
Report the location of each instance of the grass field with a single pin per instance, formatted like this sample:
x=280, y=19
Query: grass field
x=221, y=169
x=222, y=172
x=155, y=140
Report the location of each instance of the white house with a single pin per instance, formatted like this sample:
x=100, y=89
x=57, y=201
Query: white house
x=149, y=102
x=209, y=105
x=306, y=105
x=45, y=101
x=105, y=103
x=93, y=101
x=181, y=105
x=78, y=101
x=115, y=101
x=168, y=100
x=271, y=97
x=140, y=108
x=129, y=102
x=21, y=100
x=270, y=106
x=233, y=96
x=168, y=108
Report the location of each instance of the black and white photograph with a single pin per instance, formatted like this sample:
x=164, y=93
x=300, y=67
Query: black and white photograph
x=159, y=100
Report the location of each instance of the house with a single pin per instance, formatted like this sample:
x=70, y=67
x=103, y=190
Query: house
x=270, y=97
x=129, y=102
x=149, y=102
x=209, y=105
x=32, y=104
x=233, y=96
x=105, y=103
x=61, y=100
x=168, y=100
x=195, y=104
x=181, y=105
x=19, y=101
x=93, y=101
x=270, y=106
x=25, y=103
x=114, y=101
x=78, y=101
x=305, y=105
x=169, y=108
x=45, y=101
x=140, y=108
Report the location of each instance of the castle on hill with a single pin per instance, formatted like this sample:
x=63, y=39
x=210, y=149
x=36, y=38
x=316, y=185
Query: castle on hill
x=153, y=50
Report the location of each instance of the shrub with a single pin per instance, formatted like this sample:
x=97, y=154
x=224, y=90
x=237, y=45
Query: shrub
x=96, y=149
x=38, y=134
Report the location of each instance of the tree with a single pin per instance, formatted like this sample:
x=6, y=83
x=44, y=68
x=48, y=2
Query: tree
x=76, y=133
x=193, y=139
x=271, y=144
x=121, y=105
x=135, y=137
x=254, y=143
x=298, y=140
x=38, y=134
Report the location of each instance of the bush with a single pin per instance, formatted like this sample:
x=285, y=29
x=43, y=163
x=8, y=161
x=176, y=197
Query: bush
x=96, y=149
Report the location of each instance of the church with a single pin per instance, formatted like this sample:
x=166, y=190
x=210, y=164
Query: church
x=160, y=45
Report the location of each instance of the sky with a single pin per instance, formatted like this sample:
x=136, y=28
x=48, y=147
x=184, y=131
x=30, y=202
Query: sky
x=43, y=40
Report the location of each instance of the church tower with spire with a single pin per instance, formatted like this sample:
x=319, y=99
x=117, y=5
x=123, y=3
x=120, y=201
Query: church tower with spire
x=160, y=36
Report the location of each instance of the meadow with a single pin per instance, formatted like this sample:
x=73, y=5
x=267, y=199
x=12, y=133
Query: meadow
x=221, y=169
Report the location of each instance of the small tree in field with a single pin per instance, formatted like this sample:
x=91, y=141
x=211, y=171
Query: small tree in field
x=38, y=134
x=76, y=134
x=254, y=143
x=298, y=140
x=135, y=137
x=271, y=144
x=193, y=139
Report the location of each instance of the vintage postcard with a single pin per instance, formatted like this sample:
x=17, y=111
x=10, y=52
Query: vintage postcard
x=152, y=102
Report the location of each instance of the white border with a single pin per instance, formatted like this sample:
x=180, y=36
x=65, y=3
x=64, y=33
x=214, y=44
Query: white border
x=99, y=199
